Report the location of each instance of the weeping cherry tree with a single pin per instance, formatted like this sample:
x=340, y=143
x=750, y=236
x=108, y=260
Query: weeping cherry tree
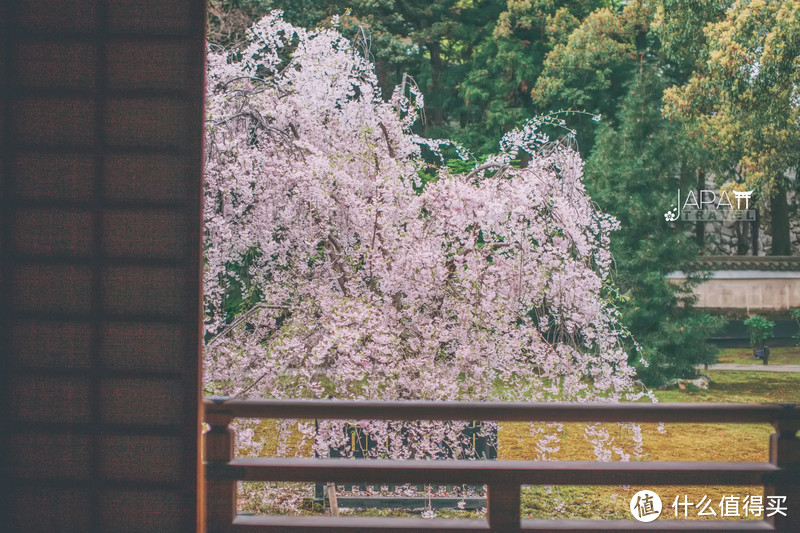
x=367, y=284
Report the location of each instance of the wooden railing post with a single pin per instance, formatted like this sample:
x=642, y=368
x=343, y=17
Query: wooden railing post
x=503, y=507
x=784, y=452
x=220, y=493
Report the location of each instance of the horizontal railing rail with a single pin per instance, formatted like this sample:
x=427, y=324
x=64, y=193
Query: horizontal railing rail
x=504, y=479
x=516, y=472
x=505, y=411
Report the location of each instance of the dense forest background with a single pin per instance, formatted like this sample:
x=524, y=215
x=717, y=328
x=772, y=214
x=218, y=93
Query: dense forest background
x=663, y=95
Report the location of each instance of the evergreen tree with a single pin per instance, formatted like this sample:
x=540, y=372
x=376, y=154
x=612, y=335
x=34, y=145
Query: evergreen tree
x=590, y=70
x=633, y=173
x=507, y=61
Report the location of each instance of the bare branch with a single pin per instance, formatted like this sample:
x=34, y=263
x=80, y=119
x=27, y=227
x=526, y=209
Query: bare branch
x=388, y=142
x=336, y=263
x=239, y=319
x=486, y=166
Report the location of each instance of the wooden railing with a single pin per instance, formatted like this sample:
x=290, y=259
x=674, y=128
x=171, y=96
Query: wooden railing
x=504, y=479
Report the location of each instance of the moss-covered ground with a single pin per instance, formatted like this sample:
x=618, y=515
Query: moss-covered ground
x=679, y=442
x=744, y=356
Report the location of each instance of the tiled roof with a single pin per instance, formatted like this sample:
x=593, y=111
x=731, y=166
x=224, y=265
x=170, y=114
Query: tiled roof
x=744, y=262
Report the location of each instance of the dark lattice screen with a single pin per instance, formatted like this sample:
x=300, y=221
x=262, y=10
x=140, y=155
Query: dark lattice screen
x=101, y=145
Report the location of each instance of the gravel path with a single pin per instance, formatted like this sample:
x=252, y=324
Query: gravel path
x=754, y=368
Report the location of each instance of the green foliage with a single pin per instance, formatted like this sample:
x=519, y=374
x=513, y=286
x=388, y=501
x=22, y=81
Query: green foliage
x=761, y=330
x=241, y=295
x=678, y=25
x=632, y=174
x=592, y=68
x=743, y=100
x=795, y=313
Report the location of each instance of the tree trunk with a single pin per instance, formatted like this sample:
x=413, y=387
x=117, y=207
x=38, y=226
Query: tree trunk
x=754, y=229
x=684, y=176
x=437, y=66
x=781, y=235
x=742, y=229
x=331, y=488
x=383, y=73
x=700, y=228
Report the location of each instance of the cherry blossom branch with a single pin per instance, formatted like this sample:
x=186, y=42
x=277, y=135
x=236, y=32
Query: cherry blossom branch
x=486, y=166
x=341, y=279
x=239, y=319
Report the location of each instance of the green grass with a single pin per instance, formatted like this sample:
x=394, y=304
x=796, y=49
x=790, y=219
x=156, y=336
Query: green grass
x=741, y=387
x=744, y=356
x=680, y=442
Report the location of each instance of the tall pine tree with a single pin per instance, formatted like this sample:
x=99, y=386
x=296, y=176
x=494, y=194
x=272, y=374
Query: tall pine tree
x=633, y=173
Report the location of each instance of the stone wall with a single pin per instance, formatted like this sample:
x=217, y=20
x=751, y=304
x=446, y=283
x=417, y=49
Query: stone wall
x=724, y=238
